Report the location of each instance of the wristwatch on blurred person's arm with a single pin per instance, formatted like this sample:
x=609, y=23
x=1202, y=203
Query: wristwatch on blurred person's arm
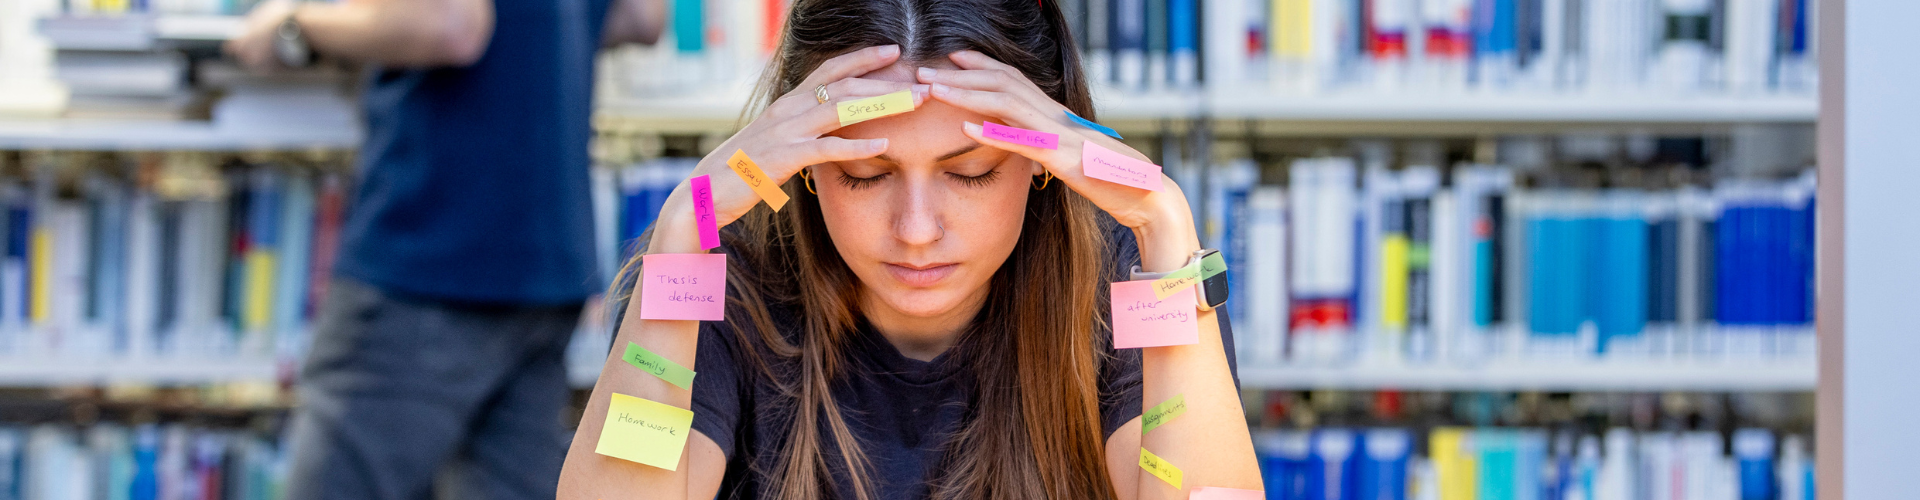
x=290, y=45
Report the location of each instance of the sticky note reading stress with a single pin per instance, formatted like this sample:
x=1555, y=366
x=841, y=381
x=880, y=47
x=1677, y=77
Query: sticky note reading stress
x=658, y=365
x=703, y=212
x=1158, y=415
x=757, y=179
x=645, y=432
x=1141, y=320
x=1211, y=493
x=1159, y=468
x=1020, y=136
x=1107, y=165
x=860, y=110
x=683, y=286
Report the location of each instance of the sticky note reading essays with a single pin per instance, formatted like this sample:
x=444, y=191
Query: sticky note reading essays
x=1211, y=493
x=1020, y=136
x=1140, y=320
x=659, y=366
x=1153, y=418
x=757, y=179
x=860, y=110
x=703, y=212
x=683, y=286
x=1095, y=126
x=1154, y=465
x=645, y=432
x=1107, y=165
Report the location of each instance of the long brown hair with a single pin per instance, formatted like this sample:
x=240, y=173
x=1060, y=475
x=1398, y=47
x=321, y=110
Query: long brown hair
x=1034, y=428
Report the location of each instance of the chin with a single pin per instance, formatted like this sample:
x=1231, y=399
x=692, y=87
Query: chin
x=921, y=303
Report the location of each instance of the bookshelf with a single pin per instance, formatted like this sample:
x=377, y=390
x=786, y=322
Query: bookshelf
x=55, y=371
x=168, y=135
x=1517, y=375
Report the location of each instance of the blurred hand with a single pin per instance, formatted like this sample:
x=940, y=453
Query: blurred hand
x=253, y=47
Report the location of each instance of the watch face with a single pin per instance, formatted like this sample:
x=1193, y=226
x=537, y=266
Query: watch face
x=1216, y=289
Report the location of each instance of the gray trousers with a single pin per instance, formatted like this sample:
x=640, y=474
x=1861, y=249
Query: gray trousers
x=409, y=399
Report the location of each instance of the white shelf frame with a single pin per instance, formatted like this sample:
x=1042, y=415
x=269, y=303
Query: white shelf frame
x=1533, y=375
x=57, y=371
x=165, y=135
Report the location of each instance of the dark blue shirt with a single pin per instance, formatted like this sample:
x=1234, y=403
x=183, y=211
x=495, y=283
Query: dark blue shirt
x=474, y=179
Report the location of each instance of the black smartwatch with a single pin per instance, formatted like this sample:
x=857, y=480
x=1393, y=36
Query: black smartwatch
x=290, y=45
x=1211, y=292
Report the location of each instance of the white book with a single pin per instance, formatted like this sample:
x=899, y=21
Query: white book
x=1750, y=30
x=606, y=221
x=143, y=268
x=1266, y=302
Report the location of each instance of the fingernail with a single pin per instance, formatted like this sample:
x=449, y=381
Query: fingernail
x=877, y=145
x=921, y=89
x=939, y=89
x=889, y=50
x=926, y=73
x=970, y=127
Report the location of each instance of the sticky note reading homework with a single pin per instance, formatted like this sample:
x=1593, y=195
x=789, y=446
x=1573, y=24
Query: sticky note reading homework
x=1141, y=320
x=1160, y=468
x=860, y=110
x=1159, y=414
x=683, y=286
x=1176, y=281
x=645, y=432
x=1020, y=136
x=1211, y=493
x=1107, y=165
x=703, y=212
x=757, y=179
x=658, y=365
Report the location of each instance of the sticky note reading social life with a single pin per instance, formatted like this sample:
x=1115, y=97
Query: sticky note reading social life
x=683, y=286
x=1107, y=165
x=659, y=366
x=757, y=179
x=1156, y=416
x=703, y=212
x=860, y=110
x=1141, y=320
x=1160, y=468
x=1095, y=126
x=645, y=432
x=1020, y=136
x=1212, y=493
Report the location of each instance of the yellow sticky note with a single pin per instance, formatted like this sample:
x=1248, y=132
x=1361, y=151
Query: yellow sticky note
x=1160, y=468
x=860, y=110
x=645, y=432
x=757, y=179
x=1176, y=281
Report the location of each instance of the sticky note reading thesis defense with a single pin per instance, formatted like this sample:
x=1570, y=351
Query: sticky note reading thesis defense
x=757, y=179
x=860, y=110
x=1141, y=320
x=1160, y=468
x=683, y=286
x=1020, y=136
x=1107, y=165
x=658, y=365
x=645, y=432
x=1159, y=414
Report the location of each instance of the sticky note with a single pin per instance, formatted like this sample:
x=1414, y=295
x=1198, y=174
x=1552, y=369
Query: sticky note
x=1141, y=320
x=1020, y=136
x=757, y=179
x=645, y=432
x=659, y=366
x=1212, y=493
x=703, y=212
x=1095, y=126
x=1159, y=468
x=683, y=286
x=860, y=110
x=1176, y=281
x=1156, y=416
x=1212, y=265
x=1107, y=165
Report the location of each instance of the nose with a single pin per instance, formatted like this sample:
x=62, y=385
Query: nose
x=918, y=222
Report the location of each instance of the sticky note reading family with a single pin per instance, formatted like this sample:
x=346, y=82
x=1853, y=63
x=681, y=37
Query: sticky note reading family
x=703, y=212
x=1160, y=414
x=683, y=286
x=1141, y=320
x=659, y=366
x=1107, y=165
x=645, y=432
x=757, y=179
x=860, y=110
x=1159, y=468
x=1020, y=136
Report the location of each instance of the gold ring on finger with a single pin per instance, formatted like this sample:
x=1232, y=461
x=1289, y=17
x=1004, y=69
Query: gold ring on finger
x=820, y=94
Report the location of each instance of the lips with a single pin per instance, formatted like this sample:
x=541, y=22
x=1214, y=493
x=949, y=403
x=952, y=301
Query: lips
x=920, y=275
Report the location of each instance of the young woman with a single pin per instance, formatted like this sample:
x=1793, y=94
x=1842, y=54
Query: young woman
x=928, y=316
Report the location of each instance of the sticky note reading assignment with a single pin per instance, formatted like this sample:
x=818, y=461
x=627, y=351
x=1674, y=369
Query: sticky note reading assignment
x=860, y=110
x=659, y=366
x=1107, y=165
x=1141, y=320
x=645, y=432
x=1020, y=136
x=703, y=212
x=683, y=286
x=1159, y=468
x=757, y=179
x=1154, y=417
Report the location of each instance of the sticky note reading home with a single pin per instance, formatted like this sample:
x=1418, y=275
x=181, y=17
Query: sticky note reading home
x=643, y=431
x=1108, y=165
x=683, y=286
x=1141, y=320
x=860, y=110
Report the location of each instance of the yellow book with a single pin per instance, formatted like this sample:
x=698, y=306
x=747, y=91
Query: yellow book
x=40, y=308
x=259, y=313
x=1454, y=463
x=1393, y=282
x=1291, y=28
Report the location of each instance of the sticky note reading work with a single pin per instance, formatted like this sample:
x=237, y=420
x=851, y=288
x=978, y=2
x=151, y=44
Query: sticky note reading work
x=645, y=432
x=1211, y=493
x=703, y=212
x=1107, y=165
x=1020, y=136
x=757, y=179
x=1158, y=415
x=860, y=110
x=1159, y=468
x=683, y=286
x=659, y=366
x=1141, y=320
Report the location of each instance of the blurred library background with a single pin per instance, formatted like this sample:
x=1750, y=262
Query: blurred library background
x=1481, y=249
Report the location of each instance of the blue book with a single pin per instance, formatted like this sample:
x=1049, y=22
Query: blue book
x=296, y=249
x=1620, y=306
x=1383, y=464
x=689, y=25
x=1183, y=44
x=1333, y=470
x=1283, y=463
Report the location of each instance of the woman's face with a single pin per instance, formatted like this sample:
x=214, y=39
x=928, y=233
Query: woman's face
x=925, y=225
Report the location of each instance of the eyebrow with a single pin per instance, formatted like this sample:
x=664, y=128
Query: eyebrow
x=950, y=154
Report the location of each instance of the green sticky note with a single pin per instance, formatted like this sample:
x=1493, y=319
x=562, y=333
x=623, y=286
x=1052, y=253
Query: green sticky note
x=659, y=366
x=1165, y=412
x=1175, y=281
x=645, y=431
x=1212, y=265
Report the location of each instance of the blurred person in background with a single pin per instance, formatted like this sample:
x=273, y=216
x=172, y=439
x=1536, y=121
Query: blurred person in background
x=437, y=364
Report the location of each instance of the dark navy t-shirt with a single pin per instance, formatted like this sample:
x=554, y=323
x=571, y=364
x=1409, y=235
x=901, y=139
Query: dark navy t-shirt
x=474, y=179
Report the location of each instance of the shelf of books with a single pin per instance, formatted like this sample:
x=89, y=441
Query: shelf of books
x=171, y=135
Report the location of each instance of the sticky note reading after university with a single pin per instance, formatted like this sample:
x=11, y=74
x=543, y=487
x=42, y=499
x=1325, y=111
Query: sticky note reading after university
x=1141, y=320
x=1158, y=415
x=1160, y=468
x=757, y=179
x=645, y=432
x=683, y=286
x=659, y=366
x=860, y=110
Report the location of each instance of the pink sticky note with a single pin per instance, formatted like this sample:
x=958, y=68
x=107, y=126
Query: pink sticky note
x=1139, y=320
x=1107, y=165
x=703, y=212
x=1211, y=493
x=687, y=286
x=1020, y=136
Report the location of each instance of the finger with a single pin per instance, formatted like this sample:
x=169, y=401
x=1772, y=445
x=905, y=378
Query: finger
x=850, y=65
x=795, y=104
x=821, y=119
x=1016, y=111
x=827, y=149
x=974, y=60
x=996, y=80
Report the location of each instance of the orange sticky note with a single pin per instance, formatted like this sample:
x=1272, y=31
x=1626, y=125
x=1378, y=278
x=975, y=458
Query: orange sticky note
x=683, y=286
x=1212, y=493
x=860, y=110
x=1142, y=320
x=645, y=432
x=757, y=179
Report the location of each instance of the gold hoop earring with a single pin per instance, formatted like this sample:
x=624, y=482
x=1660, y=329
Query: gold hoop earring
x=1045, y=178
x=806, y=178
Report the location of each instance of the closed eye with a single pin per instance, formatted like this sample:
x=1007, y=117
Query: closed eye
x=856, y=183
x=976, y=180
